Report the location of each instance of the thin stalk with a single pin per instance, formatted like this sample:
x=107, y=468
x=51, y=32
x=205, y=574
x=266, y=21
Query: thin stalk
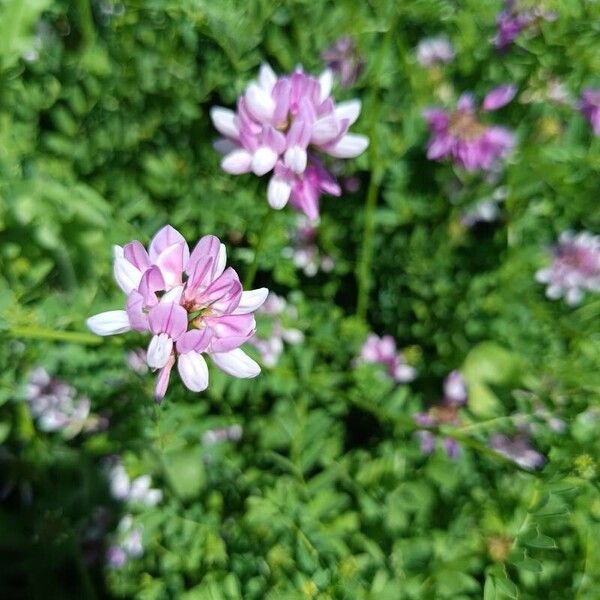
x=363, y=270
x=251, y=274
x=86, y=21
x=43, y=333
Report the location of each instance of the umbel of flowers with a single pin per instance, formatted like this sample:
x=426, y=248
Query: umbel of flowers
x=463, y=137
x=189, y=303
x=280, y=126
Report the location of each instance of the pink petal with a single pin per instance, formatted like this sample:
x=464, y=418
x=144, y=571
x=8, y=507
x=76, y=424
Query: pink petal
x=195, y=340
x=135, y=312
x=171, y=263
x=162, y=382
x=259, y=103
x=499, y=97
x=152, y=281
x=126, y=275
x=169, y=318
x=209, y=246
x=166, y=237
x=136, y=254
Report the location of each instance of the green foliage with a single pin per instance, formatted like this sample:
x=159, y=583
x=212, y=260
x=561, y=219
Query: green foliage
x=105, y=136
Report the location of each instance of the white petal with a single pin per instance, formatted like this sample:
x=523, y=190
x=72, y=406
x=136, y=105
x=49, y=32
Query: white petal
x=159, y=350
x=109, y=323
x=237, y=363
x=278, y=192
x=264, y=160
x=325, y=130
x=237, y=162
x=326, y=82
x=295, y=159
x=348, y=110
x=173, y=295
x=126, y=275
x=266, y=77
x=349, y=146
x=251, y=300
x=225, y=121
x=193, y=371
x=259, y=103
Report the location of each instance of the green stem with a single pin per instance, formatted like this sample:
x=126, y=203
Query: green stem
x=86, y=21
x=251, y=274
x=42, y=333
x=363, y=270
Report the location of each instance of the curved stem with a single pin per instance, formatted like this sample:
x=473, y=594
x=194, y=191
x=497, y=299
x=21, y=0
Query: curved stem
x=251, y=274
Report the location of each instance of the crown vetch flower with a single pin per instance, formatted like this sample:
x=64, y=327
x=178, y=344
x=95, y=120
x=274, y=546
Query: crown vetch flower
x=431, y=51
x=519, y=450
x=575, y=268
x=590, y=107
x=190, y=303
x=462, y=136
x=344, y=60
x=382, y=350
x=279, y=124
x=516, y=17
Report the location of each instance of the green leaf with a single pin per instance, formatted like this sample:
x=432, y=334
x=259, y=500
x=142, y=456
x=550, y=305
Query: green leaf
x=529, y=564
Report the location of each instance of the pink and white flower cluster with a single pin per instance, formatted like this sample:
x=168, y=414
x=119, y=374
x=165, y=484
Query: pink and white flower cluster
x=575, y=268
x=518, y=16
x=382, y=350
x=279, y=124
x=57, y=406
x=464, y=138
x=190, y=304
x=127, y=543
x=125, y=489
x=445, y=413
x=435, y=50
x=271, y=347
x=305, y=252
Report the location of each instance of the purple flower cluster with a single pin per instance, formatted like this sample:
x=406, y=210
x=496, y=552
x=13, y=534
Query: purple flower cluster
x=190, y=304
x=382, y=350
x=435, y=50
x=445, y=413
x=515, y=18
x=305, y=253
x=464, y=138
x=279, y=124
x=57, y=407
x=575, y=267
x=518, y=449
x=344, y=60
x=590, y=107
x=271, y=347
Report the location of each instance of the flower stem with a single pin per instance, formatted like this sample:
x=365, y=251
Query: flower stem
x=363, y=269
x=251, y=274
x=86, y=21
x=42, y=333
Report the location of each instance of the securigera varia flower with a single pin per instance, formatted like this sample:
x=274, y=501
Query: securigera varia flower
x=190, y=304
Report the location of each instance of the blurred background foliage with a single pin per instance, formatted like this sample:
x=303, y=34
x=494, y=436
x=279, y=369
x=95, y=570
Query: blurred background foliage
x=105, y=137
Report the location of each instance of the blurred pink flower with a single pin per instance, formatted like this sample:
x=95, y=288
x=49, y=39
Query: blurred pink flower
x=519, y=450
x=127, y=543
x=575, y=268
x=434, y=50
x=382, y=350
x=444, y=413
x=590, y=107
x=280, y=122
x=189, y=302
x=463, y=137
x=344, y=60
x=516, y=17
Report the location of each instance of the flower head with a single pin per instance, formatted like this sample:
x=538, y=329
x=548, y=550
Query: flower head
x=344, y=60
x=519, y=450
x=462, y=136
x=279, y=124
x=517, y=16
x=432, y=51
x=127, y=543
x=137, y=491
x=190, y=304
x=444, y=413
x=382, y=350
x=590, y=107
x=575, y=268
